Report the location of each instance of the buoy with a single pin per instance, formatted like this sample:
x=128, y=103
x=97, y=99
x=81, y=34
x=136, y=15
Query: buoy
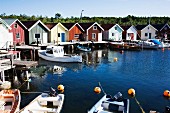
x=166, y=93
x=115, y=59
x=131, y=91
x=60, y=87
x=97, y=90
x=163, y=49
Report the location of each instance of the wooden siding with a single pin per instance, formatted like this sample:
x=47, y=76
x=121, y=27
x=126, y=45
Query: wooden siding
x=91, y=31
x=38, y=29
x=73, y=31
x=20, y=30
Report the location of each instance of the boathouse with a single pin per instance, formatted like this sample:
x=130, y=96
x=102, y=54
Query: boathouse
x=112, y=32
x=57, y=33
x=74, y=31
x=129, y=33
x=92, y=31
x=36, y=32
x=18, y=30
x=6, y=36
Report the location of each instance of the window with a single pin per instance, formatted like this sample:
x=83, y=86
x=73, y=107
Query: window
x=115, y=28
x=146, y=34
x=93, y=35
x=113, y=34
x=37, y=35
x=17, y=35
x=94, y=27
x=58, y=34
x=15, y=25
x=76, y=36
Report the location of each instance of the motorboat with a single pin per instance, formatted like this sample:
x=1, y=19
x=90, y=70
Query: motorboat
x=148, y=45
x=107, y=104
x=45, y=103
x=10, y=101
x=83, y=48
x=56, y=53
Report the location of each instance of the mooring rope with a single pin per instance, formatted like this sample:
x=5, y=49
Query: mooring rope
x=139, y=105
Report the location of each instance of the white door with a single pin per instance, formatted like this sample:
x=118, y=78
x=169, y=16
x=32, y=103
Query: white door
x=44, y=38
x=99, y=37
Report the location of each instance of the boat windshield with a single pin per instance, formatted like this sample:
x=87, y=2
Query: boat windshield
x=49, y=51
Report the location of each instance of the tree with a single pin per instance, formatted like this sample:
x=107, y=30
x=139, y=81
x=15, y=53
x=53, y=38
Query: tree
x=57, y=15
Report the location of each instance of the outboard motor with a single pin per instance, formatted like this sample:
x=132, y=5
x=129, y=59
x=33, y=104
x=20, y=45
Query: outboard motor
x=52, y=92
x=167, y=109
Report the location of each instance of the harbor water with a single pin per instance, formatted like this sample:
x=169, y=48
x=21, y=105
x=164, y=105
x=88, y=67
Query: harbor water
x=147, y=71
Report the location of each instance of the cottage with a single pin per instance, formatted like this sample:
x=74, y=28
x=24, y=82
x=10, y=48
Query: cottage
x=18, y=30
x=163, y=31
x=74, y=32
x=6, y=37
x=112, y=32
x=93, y=31
x=129, y=33
x=146, y=31
x=36, y=31
x=57, y=33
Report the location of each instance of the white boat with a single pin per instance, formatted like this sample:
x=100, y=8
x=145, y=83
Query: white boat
x=83, y=48
x=56, y=53
x=10, y=101
x=45, y=103
x=107, y=104
x=148, y=45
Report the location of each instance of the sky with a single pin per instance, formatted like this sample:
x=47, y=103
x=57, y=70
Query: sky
x=92, y=8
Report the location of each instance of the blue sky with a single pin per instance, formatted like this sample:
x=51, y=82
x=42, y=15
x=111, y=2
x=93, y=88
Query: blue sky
x=92, y=8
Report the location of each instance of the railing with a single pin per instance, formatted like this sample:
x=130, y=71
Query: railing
x=8, y=45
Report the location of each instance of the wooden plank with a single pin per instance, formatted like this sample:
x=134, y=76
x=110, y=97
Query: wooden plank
x=4, y=60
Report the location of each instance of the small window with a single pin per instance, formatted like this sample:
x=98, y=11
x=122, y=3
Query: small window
x=15, y=25
x=115, y=28
x=94, y=27
x=58, y=34
x=146, y=34
x=93, y=35
x=76, y=36
x=113, y=34
x=37, y=35
x=17, y=35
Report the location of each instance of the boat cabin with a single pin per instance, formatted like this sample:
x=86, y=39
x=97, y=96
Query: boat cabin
x=57, y=51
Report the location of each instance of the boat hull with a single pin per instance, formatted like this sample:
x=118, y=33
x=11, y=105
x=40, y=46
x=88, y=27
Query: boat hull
x=65, y=58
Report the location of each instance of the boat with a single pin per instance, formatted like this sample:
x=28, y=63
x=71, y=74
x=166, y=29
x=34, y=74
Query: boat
x=45, y=103
x=83, y=48
x=107, y=104
x=56, y=53
x=148, y=45
x=10, y=101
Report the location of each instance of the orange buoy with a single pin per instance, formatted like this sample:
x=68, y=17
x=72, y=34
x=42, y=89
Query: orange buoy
x=163, y=49
x=131, y=91
x=115, y=59
x=60, y=87
x=97, y=90
x=166, y=93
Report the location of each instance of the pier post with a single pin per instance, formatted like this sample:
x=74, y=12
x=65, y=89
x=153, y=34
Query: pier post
x=3, y=76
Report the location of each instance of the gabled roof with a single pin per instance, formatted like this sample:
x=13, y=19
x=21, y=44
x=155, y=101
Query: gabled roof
x=140, y=27
x=32, y=24
x=109, y=26
x=87, y=26
x=3, y=22
x=52, y=25
x=11, y=21
x=69, y=26
x=127, y=27
x=160, y=26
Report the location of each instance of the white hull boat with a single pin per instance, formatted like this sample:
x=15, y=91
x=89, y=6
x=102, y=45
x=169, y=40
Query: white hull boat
x=45, y=103
x=107, y=104
x=56, y=53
